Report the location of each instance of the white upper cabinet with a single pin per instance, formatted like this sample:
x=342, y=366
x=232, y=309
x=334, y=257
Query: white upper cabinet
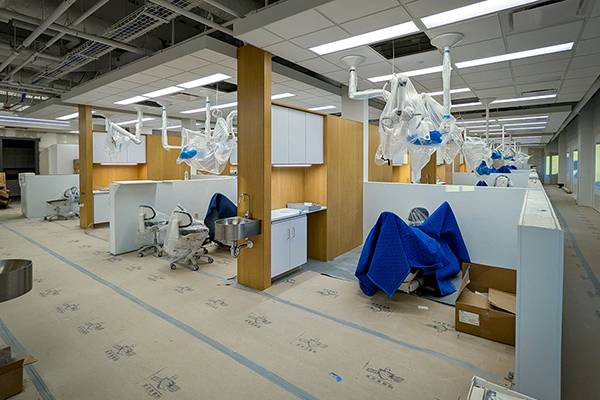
x=279, y=135
x=314, y=139
x=296, y=137
x=133, y=153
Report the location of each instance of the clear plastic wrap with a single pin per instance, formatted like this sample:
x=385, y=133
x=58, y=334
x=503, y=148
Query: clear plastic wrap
x=475, y=151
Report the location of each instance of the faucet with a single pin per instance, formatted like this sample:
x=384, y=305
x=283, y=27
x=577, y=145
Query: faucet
x=247, y=214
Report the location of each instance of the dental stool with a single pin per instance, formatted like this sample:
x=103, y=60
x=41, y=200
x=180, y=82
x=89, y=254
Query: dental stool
x=63, y=208
x=191, y=241
x=150, y=222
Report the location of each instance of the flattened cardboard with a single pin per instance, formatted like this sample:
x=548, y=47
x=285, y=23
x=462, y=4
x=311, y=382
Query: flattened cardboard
x=474, y=313
x=503, y=300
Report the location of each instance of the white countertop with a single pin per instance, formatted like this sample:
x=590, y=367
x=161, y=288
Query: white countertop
x=287, y=213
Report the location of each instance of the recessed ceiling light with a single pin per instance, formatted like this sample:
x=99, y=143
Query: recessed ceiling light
x=133, y=121
x=483, y=126
x=68, y=116
x=522, y=118
x=7, y=119
x=529, y=98
x=516, y=56
x=526, y=128
x=322, y=108
x=475, y=103
x=483, y=130
x=174, y=127
x=452, y=91
x=163, y=92
x=416, y=72
x=234, y=104
x=378, y=35
x=479, y=121
x=471, y=11
x=207, y=80
x=131, y=100
x=526, y=123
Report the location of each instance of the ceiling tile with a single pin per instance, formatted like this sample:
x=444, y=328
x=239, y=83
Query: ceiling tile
x=376, y=21
x=162, y=71
x=477, y=30
x=578, y=83
x=478, y=50
x=485, y=76
x=423, y=8
x=417, y=61
x=491, y=84
x=299, y=24
x=582, y=72
x=340, y=11
x=371, y=56
x=538, y=86
x=290, y=51
x=540, y=60
x=187, y=63
x=591, y=29
x=506, y=92
x=544, y=37
x=210, y=55
x=587, y=47
x=141, y=78
x=585, y=61
x=485, y=68
x=326, y=35
x=556, y=66
x=319, y=65
x=541, y=77
x=260, y=38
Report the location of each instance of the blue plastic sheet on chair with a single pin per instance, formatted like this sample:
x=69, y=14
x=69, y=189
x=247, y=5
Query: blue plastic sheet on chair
x=219, y=207
x=393, y=249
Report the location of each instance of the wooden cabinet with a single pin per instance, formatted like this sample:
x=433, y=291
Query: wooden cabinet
x=296, y=137
x=133, y=153
x=288, y=244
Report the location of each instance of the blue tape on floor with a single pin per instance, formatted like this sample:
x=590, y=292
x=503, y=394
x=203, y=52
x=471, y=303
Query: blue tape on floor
x=18, y=348
x=588, y=269
x=265, y=373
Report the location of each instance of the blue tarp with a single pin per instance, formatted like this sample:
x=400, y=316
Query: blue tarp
x=219, y=207
x=393, y=248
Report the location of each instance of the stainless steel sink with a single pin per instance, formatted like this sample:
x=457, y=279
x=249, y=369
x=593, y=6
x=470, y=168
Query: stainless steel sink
x=231, y=230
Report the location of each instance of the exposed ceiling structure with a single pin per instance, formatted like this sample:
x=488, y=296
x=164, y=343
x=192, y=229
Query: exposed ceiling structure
x=103, y=52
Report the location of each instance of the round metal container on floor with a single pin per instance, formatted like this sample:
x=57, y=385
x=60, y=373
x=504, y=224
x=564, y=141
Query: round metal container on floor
x=16, y=278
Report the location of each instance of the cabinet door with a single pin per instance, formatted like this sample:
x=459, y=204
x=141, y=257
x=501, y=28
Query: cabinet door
x=98, y=152
x=136, y=153
x=297, y=137
x=314, y=139
x=280, y=247
x=299, y=242
x=279, y=135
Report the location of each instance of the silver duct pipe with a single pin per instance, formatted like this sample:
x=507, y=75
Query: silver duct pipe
x=41, y=28
x=57, y=37
x=191, y=15
x=73, y=32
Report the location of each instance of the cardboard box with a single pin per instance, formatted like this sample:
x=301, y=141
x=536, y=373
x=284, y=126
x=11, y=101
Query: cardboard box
x=483, y=390
x=2, y=180
x=486, y=303
x=11, y=374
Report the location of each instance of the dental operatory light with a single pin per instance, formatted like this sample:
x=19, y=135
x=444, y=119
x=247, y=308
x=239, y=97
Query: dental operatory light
x=452, y=91
x=378, y=35
x=517, y=55
x=322, y=108
x=234, y=104
x=133, y=121
x=471, y=11
x=68, y=116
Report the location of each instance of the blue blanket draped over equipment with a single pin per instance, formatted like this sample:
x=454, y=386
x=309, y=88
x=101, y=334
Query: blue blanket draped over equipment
x=393, y=248
x=219, y=207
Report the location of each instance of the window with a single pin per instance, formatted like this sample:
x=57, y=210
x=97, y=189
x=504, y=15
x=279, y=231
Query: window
x=548, y=164
x=575, y=163
x=597, y=180
x=555, y=164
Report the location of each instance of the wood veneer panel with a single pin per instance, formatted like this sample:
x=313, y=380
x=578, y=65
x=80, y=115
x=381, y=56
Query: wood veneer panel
x=86, y=181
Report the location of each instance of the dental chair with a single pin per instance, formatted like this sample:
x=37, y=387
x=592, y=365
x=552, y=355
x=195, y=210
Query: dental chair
x=186, y=240
x=151, y=222
x=413, y=282
x=65, y=208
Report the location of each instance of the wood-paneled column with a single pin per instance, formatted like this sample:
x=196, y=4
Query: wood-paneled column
x=254, y=161
x=86, y=186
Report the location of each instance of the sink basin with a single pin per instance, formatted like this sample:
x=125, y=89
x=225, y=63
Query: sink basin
x=230, y=230
x=283, y=212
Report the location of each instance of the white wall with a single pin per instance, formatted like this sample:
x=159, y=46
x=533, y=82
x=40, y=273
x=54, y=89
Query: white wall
x=36, y=189
x=488, y=217
x=518, y=178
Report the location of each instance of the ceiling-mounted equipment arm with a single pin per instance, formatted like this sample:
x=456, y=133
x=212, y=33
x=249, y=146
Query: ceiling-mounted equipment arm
x=163, y=132
x=353, y=93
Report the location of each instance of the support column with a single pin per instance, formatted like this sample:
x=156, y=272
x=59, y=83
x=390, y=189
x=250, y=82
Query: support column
x=358, y=110
x=254, y=161
x=587, y=156
x=86, y=184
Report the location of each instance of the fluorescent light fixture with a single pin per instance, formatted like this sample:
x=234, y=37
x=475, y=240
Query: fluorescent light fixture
x=282, y=96
x=174, y=127
x=7, y=119
x=526, y=128
x=133, y=121
x=22, y=108
x=416, y=72
x=131, y=100
x=452, y=91
x=378, y=35
x=68, y=116
x=475, y=103
x=516, y=56
x=207, y=80
x=73, y=131
x=322, y=108
x=529, y=98
x=522, y=118
x=291, y=165
x=526, y=123
x=471, y=11
x=483, y=126
x=234, y=104
x=163, y=92
x=479, y=121
x=483, y=130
